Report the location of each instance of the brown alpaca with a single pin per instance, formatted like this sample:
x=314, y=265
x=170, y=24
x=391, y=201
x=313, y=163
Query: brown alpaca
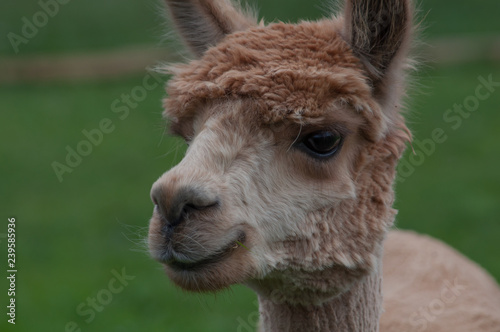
x=294, y=134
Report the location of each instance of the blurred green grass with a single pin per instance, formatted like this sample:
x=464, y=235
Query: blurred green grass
x=80, y=26
x=72, y=234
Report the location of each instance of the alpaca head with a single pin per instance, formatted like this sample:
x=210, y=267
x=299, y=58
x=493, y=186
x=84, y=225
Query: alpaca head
x=294, y=132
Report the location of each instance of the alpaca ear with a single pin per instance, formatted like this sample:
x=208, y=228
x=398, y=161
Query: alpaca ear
x=379, y=32
x=203, y=23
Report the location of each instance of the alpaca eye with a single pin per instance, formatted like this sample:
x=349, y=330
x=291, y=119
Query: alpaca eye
x=322, y=144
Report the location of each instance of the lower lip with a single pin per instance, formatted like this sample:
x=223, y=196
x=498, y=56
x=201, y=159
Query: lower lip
x=181, y=266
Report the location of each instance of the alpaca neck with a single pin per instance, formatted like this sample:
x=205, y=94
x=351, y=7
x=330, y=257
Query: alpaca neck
x=356, y=310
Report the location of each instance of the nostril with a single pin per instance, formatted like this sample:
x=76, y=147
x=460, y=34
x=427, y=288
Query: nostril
x=188, y=207
x=189, y=201
x=192, y=206
x=174, y=206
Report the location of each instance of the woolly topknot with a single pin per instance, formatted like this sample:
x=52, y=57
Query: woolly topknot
x=292, y=71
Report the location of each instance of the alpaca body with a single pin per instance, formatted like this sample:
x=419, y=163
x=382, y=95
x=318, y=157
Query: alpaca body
x=428, y=286
x=294, y=134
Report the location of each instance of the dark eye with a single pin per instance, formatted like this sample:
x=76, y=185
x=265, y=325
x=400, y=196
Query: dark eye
x=322, y=144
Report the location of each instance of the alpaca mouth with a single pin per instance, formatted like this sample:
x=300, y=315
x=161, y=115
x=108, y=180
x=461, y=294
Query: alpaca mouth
x=219, y=255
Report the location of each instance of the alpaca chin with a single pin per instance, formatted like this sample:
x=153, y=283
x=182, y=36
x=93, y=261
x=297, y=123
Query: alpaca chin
x=214, y=276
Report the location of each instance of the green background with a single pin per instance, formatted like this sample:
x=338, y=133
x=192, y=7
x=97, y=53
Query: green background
x=72, y=234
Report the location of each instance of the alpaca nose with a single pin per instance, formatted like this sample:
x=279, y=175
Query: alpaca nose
x=174, y=204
